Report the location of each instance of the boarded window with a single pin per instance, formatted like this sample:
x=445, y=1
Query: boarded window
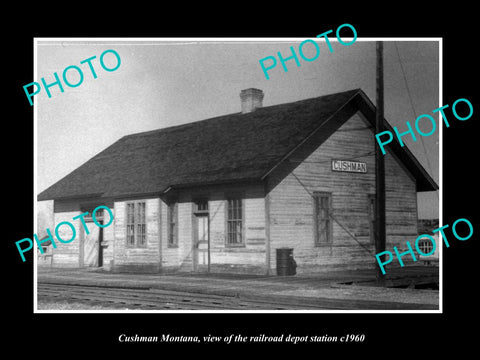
x=234, y=214
x=172, y=216
x=136, y=224
x=322, y=203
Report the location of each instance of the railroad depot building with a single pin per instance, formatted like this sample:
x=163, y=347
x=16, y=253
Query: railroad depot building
x=224, y=193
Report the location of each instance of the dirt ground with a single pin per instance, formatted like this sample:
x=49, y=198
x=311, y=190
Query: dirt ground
x=354, y=286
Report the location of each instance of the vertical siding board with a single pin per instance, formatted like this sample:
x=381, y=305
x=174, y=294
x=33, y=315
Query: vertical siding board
x=159, y=231
x=267, y=231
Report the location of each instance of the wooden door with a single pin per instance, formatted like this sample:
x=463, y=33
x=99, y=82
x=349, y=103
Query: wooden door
x=91, y=245
x=201, y=242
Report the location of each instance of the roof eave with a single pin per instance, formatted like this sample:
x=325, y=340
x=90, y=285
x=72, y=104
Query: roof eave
x=286, y=156
x=44, y=197
x=181, y=186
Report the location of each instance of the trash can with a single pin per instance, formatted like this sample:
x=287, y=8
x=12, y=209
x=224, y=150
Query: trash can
x=286, y=265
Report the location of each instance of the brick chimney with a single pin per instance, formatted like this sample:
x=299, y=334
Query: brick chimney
x=251, y=99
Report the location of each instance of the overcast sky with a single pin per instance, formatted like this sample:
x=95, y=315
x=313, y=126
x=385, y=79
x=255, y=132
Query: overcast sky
x=164, y=83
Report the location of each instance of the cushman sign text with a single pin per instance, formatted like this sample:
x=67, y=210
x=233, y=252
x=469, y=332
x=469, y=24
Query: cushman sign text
x=349, y=166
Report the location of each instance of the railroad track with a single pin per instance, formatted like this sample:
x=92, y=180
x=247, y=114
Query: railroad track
x=145, y=298
x=157, y=299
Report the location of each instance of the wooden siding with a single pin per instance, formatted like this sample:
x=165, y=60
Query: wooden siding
x=157, y=256
x=184, y=250
x=291, y=203
x=281, y=211
x=170, y=255
x=247, y=258
x=66, y=255
x=109, y=242
x=137, y=259
x=70, y=254
x=252, y=253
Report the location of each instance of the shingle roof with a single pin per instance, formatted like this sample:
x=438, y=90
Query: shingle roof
x=233, y=147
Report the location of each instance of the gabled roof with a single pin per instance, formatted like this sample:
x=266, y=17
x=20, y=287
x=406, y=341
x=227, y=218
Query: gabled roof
x=230, y=148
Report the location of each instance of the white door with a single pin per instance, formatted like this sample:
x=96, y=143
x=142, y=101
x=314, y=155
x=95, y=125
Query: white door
x=201, y=243
x=91, y=245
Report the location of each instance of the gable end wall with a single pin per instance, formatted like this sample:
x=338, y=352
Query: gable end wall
x=292, y=210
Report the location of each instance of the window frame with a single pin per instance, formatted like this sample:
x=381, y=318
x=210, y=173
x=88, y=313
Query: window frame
x=135, y=206
x=242, y=243
x=173, y=204
x=198, y=209
x=317, y=195
x=421, y=246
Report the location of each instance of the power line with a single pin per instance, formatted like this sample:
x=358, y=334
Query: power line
x=413, y=108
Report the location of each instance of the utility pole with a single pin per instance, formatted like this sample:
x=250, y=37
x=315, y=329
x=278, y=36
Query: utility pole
x=380, y=232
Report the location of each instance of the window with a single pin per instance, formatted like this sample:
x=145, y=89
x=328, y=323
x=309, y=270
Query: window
x=235, y=236
x=425, y=246
x=172, y=216
x=136, y=225
x=201, y=206
x=322, y=203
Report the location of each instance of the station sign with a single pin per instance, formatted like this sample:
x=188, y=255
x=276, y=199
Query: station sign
x=349, y=166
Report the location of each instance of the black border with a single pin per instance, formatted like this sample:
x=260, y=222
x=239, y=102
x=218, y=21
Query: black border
x=409, y=334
